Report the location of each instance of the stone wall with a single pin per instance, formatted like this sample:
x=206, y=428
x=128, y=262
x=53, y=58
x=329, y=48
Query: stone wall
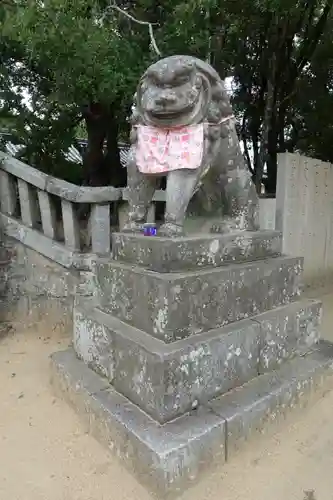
x=48, y=247
x=37, y=292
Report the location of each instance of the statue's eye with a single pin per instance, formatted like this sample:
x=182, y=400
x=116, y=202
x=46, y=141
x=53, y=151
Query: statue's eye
x=182, y=80
x=155, y=81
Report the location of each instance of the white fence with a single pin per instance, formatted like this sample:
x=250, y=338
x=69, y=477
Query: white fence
x=267, y=208
x=304, y=212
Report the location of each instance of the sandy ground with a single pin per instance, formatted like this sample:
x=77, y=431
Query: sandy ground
x=46, y=455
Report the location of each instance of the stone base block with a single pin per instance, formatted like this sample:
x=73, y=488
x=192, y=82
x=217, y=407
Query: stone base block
x=288, y=331
x=164, y=458
x=268, y=398
x=169, y=458
x=166, y=255
x=166, y=380
x=172, y=306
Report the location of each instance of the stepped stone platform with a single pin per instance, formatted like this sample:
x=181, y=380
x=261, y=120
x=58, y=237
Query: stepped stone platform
x=167, y=380
x=238, y=278
x=190, y=347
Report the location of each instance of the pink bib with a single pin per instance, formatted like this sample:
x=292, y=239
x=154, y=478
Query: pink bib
x=163, y=150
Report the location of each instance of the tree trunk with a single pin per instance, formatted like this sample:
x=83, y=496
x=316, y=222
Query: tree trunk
x=266, y=130
x=270, y=183
x=116, y=174
x=93, y=158
x=102, y=168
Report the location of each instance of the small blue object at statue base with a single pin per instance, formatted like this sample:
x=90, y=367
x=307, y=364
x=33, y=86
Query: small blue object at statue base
x=149, y=229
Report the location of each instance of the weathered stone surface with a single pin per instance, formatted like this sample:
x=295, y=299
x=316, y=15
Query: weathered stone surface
x=72, y=376
x=50, y=313
x=37, y=241
x=85, y=283
x=166, y=380
x=39, y=313
x=48, y=278
x=168, y=458
x=71, y=226
x=168, y=385
x=38, y=292
x=8, y=194
x=48, y=214
x=93, y=343
x=181, y=254
x=43, y=245
x=267, y=398
x=177, y=305
x=192, y=93
x=28, y=204
x=58, y=187
x=164, y=458
x=288, y=331
x=100, y=229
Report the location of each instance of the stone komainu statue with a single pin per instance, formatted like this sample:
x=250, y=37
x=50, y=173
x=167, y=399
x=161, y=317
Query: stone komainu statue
x=183, y=128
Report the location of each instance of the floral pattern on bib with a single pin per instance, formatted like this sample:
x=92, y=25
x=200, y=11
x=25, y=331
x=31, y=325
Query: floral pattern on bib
x=164, y=150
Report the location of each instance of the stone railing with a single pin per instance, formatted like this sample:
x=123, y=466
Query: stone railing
x=43, y=212
x=62, y=221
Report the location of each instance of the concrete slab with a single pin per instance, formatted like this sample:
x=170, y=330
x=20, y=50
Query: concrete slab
x=172, y=306
x=169, y=458
x=181, y=254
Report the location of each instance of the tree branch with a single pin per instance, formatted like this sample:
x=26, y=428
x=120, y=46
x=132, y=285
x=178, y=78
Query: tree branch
x=311, y=38
x=311, y=41
x=114, y=6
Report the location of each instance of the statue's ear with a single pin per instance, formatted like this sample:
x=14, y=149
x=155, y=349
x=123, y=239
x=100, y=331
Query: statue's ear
x=207, y=94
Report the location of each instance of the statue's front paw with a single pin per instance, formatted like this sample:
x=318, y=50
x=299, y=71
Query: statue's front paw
x=226, y=225
x=170, y=230
x=133, y=227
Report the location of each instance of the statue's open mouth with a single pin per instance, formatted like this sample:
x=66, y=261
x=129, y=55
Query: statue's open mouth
x=176, y=118
x=180, y=117
x=167, y=114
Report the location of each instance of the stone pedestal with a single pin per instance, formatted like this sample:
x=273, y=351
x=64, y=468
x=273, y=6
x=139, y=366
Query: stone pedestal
x=191, y=346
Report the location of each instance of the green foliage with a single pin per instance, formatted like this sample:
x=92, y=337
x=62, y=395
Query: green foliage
x=80, y=61
x=66, y=56
x=84, y=57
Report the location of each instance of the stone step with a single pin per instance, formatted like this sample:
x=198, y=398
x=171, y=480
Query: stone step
x=171, y=306
x=166, y=255
x=169, y=458
x=266, y=399
x=167, y=380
